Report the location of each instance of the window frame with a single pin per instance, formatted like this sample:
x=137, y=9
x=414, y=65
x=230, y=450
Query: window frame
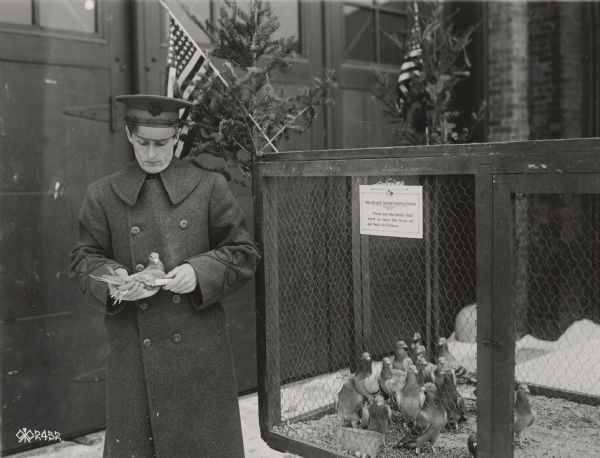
x=34, y=29
x=377, y=9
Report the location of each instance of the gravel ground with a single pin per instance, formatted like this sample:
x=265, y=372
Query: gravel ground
x=563, y=429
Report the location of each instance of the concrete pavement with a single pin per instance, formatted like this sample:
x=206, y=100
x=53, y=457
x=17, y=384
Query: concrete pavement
x=91, y=446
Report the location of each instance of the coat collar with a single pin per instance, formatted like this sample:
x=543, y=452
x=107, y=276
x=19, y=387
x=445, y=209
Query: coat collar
x=179, y=180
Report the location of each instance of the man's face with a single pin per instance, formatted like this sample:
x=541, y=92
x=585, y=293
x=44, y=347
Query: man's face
x=153, y=146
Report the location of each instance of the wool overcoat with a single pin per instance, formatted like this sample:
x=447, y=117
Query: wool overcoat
x=171, y=389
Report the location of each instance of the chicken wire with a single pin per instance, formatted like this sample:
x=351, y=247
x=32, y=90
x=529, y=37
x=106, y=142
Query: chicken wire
x=556, y=292
x=340, y=293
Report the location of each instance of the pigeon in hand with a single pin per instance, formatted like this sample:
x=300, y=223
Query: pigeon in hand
x=442, y=349
x=151, y=277
x=410, y=401
x=429, y=423
x=377, y=415
x=524, y=415
x=390, y=380
x=452, y=401
x=349, y=403
x=401, y=360
x=472, y=444
x=365, y=381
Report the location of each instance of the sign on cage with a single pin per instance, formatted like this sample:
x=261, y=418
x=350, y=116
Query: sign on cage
x=391, y=209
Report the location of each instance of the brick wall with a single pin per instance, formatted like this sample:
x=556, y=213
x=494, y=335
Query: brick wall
x=507, y=71
x=535, y=70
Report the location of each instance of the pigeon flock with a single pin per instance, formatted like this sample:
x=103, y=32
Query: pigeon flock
x=417, y=392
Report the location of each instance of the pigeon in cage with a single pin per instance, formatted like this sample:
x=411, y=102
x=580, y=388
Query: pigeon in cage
x=442, y=350
x=452, y=401
x=411, y=398
x=349, y=403
x=416, y=347
x=428, y=424
x=424, y=368
x=472, y=444
x=377, y=415
x=401, y=359
x=390, y=380
x=152, y=277
x=524, y=414
x=365, y=381
x=437, y=375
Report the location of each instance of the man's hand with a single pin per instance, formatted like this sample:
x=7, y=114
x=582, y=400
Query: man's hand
x=184, y=279
x=130, y=291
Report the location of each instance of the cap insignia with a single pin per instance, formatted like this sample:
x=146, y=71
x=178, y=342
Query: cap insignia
x=155, y=108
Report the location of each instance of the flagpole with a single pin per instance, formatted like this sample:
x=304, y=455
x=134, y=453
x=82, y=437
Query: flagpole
x=216, y=70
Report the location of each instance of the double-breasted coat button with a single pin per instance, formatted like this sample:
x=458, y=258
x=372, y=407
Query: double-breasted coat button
x=176, y=298
x=146, y=342
x=135, y=230
x=143, y=306
x=183, y=224
x=176, y=338
x=139, y=267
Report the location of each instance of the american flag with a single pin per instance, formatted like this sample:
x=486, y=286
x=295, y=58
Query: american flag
x=186, y=64
x=411, y=64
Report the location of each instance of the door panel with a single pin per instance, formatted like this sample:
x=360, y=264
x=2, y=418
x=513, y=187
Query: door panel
x=56, y=137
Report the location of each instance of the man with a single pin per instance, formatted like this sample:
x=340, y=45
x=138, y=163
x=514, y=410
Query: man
x=171, y=389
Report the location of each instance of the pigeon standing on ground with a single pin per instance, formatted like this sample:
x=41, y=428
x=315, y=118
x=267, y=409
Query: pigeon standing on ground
x=377, y=415
x=349, y=403
x=365, y=381
x=524, y=415
x=437, y=375
x=472, y=444
x=452, y=401
x=442, y=350
x=390, y=380
x=401, y=358
x=410, y=401
x=416, y=345
x=425, y=368
x=429, y=423
x=152, y=277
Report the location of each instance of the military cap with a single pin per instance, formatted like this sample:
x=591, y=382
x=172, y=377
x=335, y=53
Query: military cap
x=153, y=110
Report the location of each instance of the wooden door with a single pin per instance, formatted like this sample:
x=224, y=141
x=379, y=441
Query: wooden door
x=60, y=65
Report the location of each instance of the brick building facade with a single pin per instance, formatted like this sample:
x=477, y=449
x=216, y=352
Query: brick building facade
x=542, y=70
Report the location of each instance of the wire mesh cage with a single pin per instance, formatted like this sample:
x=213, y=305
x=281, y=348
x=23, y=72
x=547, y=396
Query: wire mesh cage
x=496, y=307
x=556, y=280
x=341, y=294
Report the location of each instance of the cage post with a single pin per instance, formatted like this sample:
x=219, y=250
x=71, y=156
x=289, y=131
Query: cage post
x=428, y=263
x=358, y=280
x=432, y=261
x=502, y=341
x=484, y=243
x=267, y=303
x=522, y=263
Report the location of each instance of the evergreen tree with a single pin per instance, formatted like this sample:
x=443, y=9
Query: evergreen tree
x=222, y=127
x=426, y=115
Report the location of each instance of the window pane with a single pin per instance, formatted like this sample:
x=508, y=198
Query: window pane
x=288, y=13
x=359, y=24
x=16, y=11
x=391, y=24
x=76, y=15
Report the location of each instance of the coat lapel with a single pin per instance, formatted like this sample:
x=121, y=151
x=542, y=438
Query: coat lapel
x=179, y=180
x=127, y=182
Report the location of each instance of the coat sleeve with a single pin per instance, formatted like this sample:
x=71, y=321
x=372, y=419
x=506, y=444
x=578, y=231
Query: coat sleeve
x=92, y=254
x=233, y=257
